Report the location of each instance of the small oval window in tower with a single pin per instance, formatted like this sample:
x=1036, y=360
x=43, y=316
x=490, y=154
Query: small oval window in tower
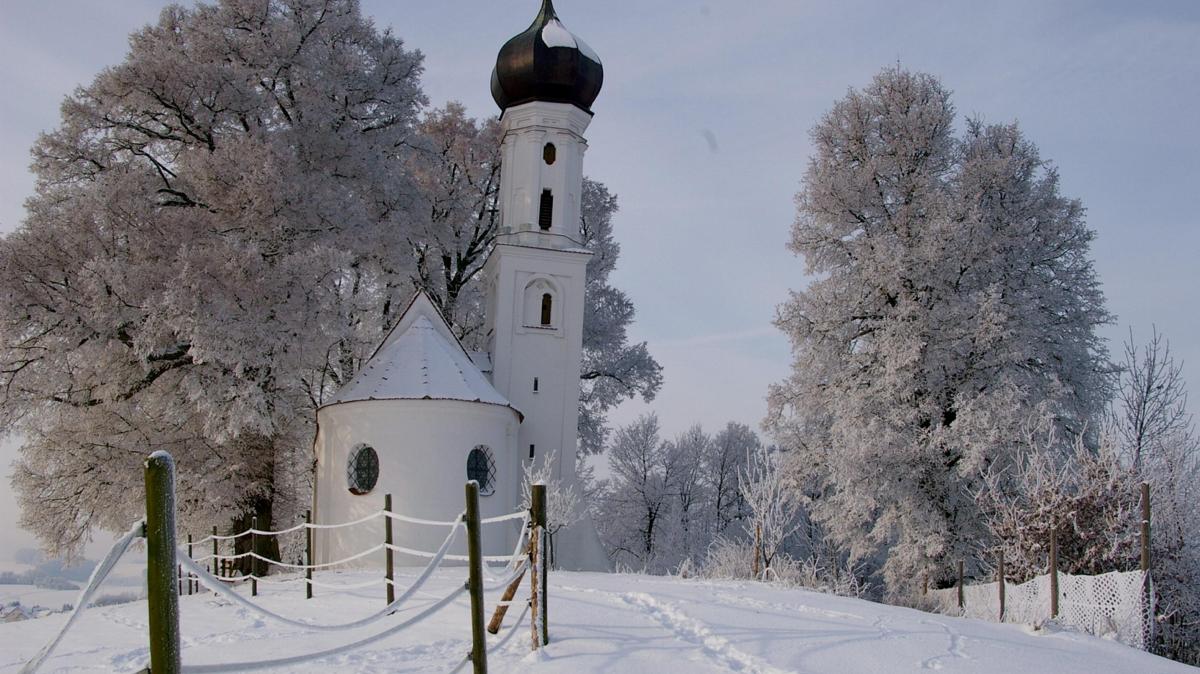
x=549, y=153
x=362, y=469
x=482, y=468
x=547, y=308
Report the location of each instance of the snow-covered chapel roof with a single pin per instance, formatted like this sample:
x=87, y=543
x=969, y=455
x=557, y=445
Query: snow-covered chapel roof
x=420, y=359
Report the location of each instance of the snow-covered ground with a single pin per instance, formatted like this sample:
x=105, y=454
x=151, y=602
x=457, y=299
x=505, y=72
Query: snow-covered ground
x=599, y=623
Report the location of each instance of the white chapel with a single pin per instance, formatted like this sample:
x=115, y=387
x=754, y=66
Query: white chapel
x=424, y=415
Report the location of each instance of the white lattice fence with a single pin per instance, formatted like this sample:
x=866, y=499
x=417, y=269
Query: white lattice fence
x=1111, y=605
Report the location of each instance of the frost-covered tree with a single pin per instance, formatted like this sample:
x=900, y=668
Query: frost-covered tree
x=224, y=227
x=723, y=462
x=774, y=503
x=1081, y=495
x=1158, y=439
x=216, y=239
x=633, y=512
x=689, y=531
x=953, y=295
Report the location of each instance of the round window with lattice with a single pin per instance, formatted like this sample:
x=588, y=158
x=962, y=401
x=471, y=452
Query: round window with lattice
x=362, y=470
x=482, y=468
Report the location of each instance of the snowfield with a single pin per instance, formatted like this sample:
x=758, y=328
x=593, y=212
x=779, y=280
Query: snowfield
x=599, y=623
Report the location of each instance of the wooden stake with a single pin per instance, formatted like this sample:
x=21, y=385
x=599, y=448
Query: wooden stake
x=540, y=562
x=1054, y=572
x=387, y=539
x=475, y=579
x=215, y=561
x=161, y=564
x=757, y=548
x=960, y=584
x=1145, y=526
x=1000, y=573
x=502, y=608
x=308, y=543
x=253, y=559
x=191, y=556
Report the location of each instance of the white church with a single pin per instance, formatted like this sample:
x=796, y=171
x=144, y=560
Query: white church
x=424, y=415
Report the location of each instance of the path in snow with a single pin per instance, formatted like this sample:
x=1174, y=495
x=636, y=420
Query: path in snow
x=598, y=623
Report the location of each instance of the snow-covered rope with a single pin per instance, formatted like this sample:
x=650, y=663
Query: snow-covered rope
x=301, y=659
x=491, y=559
x=298, y=527
x=414, y=520
x=220, y=588
x=288, y=565
x=497, y=583
x=520, y=514
x=98, y=575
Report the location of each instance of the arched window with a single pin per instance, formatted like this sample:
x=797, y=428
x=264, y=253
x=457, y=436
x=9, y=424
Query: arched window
x=545, y=210
x=362, y=469
x=549, y=153
x=482, y=468
x=540, y=306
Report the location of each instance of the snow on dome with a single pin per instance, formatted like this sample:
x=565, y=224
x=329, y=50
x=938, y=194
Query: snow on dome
x=420, y=363
x=554, y=34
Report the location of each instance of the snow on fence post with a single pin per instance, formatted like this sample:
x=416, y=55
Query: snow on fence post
x=960, y=585
x=475, y=578
x=1000, y=579
x=160, y=564
x=387, y=546
x=541, y=569
x=1054, y=572
x=308, y=551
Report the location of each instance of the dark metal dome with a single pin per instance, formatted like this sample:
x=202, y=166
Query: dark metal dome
x=546, y=63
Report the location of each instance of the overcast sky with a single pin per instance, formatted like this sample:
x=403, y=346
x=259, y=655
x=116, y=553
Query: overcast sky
x=702, y=132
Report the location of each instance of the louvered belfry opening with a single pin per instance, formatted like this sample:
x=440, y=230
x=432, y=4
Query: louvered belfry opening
x=545, y=210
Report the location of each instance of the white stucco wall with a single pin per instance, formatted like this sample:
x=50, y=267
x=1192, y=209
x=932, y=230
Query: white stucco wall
x=422, y=447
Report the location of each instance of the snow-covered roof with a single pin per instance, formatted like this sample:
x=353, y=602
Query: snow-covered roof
x=420, y=359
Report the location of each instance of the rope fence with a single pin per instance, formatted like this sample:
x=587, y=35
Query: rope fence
x=169, y=565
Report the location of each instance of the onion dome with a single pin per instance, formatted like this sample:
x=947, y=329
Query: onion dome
x=547, y=63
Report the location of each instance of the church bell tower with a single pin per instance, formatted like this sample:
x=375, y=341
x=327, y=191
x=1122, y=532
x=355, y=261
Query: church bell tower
x=545, y=81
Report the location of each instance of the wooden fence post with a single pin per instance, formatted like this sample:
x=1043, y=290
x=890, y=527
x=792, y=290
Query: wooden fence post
x=160, y=564
x=960, y=585
x=1000, y=573
x=757, y=549
x=1147, y=592
x=1054, y=572
x=475, y=579
x=308, y=544
x=541, y=567
x=191, y=556
x=215, y=561
x=253, y=559
x=1145, y=526
x=387, y=542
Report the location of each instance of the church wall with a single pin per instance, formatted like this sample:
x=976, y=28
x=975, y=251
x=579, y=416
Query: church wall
x=422, y=447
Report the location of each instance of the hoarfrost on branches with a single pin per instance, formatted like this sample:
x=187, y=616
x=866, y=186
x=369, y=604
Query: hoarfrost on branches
x=953, y=297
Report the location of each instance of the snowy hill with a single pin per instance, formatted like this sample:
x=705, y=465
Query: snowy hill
x=599, y=623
